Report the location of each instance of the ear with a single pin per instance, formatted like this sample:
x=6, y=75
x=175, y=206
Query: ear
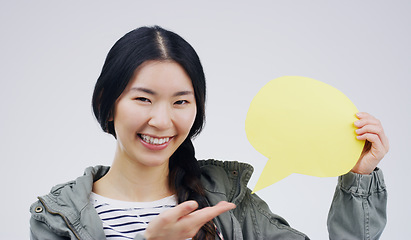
x=111, y=116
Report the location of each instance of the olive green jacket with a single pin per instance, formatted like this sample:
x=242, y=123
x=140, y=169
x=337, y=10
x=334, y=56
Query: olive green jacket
x=358, y=210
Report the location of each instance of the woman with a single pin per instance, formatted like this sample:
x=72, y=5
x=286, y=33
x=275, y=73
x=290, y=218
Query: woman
x=150, y=96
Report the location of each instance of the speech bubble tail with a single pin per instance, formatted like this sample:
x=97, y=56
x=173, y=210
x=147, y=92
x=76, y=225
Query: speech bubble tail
x=272, y=173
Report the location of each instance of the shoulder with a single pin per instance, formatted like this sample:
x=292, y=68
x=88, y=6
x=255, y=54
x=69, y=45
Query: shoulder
x=225, y=177
x=63, y=197
x=227, y=180
x=65, y=204
x=81, y=183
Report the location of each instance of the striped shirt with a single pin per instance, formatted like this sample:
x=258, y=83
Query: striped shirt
x=124, y=220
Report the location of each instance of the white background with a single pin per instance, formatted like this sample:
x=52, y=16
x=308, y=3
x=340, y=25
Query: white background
x=51, y=54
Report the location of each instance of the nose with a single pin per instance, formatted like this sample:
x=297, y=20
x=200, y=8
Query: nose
x=161, y=117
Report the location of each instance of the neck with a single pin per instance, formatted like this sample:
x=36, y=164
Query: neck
x=129, y=180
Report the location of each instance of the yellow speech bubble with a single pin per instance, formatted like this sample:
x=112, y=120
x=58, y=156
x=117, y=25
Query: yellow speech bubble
x=302, y=126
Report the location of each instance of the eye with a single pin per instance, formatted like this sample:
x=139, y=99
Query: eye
x=143, y=99
x=181, y=102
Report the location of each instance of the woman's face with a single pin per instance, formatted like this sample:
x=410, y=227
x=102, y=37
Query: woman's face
x=155, y=113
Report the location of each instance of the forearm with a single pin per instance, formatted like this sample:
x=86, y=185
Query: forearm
x=358, y=210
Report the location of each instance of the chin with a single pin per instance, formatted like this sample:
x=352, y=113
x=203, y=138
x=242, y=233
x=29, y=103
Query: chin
x=155, y=161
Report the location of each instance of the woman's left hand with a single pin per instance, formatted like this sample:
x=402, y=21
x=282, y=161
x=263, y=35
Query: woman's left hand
x=376, y=143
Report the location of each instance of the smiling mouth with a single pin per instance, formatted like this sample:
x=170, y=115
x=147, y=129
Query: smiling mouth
x=154, y=140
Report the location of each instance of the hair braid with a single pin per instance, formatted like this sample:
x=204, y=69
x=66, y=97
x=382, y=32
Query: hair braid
x=184, y=178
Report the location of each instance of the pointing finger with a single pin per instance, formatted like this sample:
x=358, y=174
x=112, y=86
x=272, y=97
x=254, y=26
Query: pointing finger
x=200, y=217
x=181, y=210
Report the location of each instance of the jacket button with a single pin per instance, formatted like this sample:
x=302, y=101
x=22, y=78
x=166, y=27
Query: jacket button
x=38, y=209
x=235, y=173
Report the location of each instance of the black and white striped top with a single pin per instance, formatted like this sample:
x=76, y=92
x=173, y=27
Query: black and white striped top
x=123, y=220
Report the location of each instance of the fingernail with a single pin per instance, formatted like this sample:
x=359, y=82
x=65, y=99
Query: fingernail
x=357, y=123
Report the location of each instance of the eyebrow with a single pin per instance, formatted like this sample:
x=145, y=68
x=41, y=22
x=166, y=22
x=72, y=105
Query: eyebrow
x=151, y=92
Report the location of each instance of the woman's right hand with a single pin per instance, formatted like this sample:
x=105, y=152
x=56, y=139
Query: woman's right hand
x=182, y=221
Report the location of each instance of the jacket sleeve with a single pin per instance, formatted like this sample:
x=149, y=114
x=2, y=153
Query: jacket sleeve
x=358, y=210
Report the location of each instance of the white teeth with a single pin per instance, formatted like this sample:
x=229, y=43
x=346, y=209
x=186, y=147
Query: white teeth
x=155, y=141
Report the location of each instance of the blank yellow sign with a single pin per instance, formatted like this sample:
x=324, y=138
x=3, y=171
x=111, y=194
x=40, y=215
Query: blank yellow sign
x=302, y=126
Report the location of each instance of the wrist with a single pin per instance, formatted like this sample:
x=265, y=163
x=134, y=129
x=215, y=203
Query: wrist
x=361, y=172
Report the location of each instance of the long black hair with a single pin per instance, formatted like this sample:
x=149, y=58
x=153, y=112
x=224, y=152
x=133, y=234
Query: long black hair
x=128, y=53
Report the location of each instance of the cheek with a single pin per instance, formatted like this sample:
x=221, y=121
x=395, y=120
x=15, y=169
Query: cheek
x=185, y=121
x=127, y=118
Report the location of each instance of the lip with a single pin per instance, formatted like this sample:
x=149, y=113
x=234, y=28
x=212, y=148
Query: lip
x=154, y=146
